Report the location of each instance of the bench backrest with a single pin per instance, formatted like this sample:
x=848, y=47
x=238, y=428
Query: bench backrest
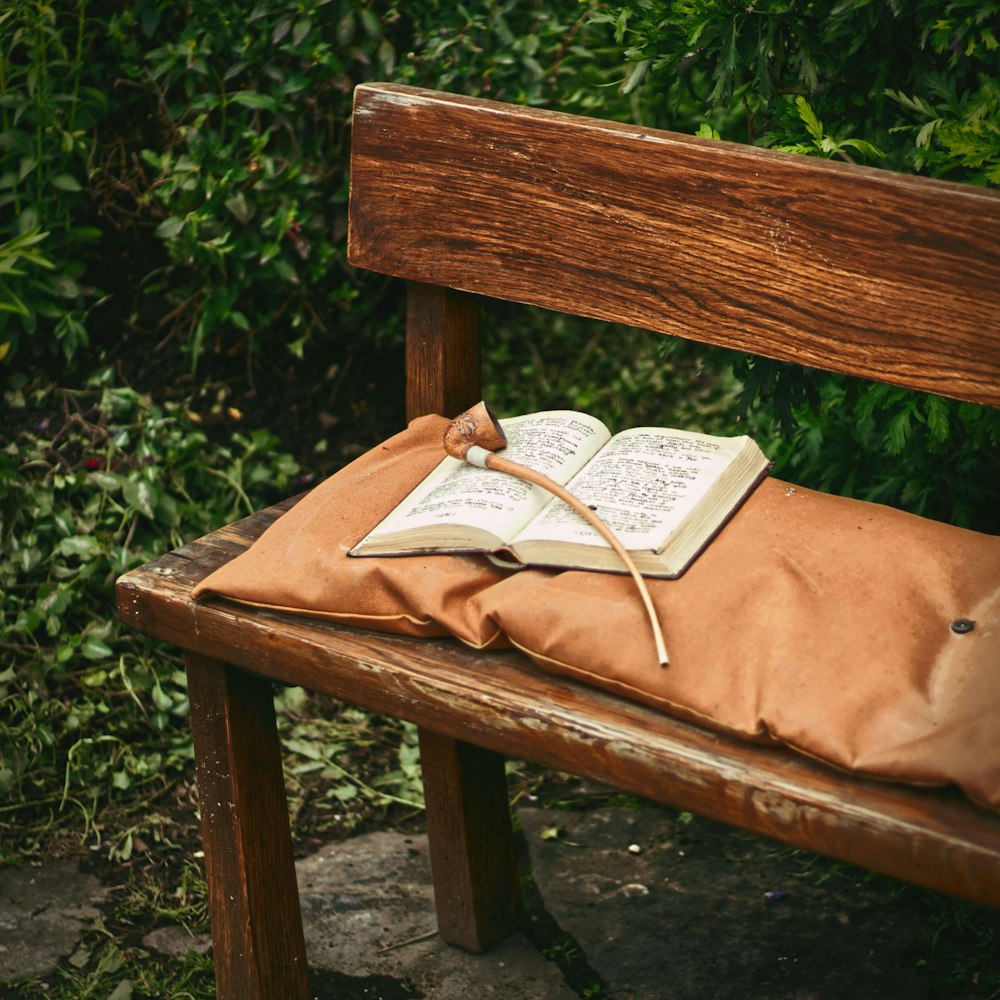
x=847, y=268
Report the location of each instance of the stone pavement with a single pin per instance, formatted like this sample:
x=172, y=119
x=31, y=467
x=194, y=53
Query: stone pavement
x=631, y=904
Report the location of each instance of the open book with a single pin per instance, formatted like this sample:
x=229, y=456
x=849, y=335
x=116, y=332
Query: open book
x=664, y=493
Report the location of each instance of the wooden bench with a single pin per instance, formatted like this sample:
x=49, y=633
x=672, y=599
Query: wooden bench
x=850, y=269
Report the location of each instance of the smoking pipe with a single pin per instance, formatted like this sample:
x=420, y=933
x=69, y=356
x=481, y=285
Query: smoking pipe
x=476, y=435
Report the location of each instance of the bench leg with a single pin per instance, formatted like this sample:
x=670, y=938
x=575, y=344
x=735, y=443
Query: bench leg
x=476, y=886
x=257, y=939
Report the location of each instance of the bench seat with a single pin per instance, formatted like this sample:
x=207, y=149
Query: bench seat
x=502, y=702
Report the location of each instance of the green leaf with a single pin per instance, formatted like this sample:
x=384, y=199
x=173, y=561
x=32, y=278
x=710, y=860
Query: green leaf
x=301, y=29
x=82, y=546
x=252, y=99
x=66, y=182
x=26, y=166
x=938, y=422
x=238, y=206
x=95, y=649
x=140, y=496
x=923, y=139
x=169, y=227
x=123, y=991
x=636, y=76
x=162, y=700
x=864, y=147
x=813, y=125
x=304, y=748
x=26, y=239
x=79, y=958
x=281, y=30
x=13, y=303
x=898, y=432
x=286, y=271
x=107, y=481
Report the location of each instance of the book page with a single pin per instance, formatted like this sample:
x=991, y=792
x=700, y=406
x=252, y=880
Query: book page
x=644, y=482
x=555, y=442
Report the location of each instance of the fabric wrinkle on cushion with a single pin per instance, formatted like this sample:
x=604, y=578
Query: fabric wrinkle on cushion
x=816, y=621
x=300, y=563
x=834, y=637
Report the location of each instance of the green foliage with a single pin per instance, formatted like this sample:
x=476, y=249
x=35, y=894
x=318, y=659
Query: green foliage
x=105, y=967
x=617, y=373
x=957, y=104
x=821, y=144
x=527, y=53
x=17, y=257
x=244, y=179
x=318, y=748
x=48, y=111
x=957, y=133
x=921, y=452
x=745, y=67
x=91, y=710
x=248, y=181
x=206, y=191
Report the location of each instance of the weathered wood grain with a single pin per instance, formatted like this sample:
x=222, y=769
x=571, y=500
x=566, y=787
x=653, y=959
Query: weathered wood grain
x=476, y=882
x=442, y=351
x=259, y=947
x=501, y=702
x=854, y=269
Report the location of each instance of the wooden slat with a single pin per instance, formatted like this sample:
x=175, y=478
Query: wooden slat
x=259, y=947
x=476, y=881
x=503, y=703
x=442, y=351
x=855, y=269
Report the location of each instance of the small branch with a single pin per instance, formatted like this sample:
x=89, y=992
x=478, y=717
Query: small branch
x=408, y=941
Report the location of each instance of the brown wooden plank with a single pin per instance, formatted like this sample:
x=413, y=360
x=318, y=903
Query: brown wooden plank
x=503, y=703
x=476, y=885
x=442, y=351
x=855, y=269
x=257, y=936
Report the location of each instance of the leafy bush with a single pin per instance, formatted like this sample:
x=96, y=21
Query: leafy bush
x=869, y=70
x=911, y=87
x=616, y=373
x=205, y=192
x=47, y=113
x=111, y=481
x=540, y=53
x=251, y=172
x=243, y=178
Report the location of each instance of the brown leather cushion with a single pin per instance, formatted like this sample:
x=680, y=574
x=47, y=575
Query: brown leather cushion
x=816, y=621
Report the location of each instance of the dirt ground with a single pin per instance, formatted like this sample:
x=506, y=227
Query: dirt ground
x=633, y=901
x=739, y=916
